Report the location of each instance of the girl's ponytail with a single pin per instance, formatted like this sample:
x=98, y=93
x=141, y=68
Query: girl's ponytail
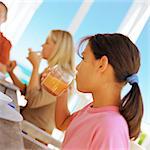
x=132, y=109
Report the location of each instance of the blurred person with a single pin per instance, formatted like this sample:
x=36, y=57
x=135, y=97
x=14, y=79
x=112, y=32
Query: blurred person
x=40, y=109
x=5, y=44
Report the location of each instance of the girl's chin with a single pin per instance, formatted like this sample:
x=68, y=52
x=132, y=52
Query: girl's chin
x=80, y=89
x=44, y=57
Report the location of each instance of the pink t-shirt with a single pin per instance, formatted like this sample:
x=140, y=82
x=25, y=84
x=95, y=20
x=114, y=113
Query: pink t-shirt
x=101, y=128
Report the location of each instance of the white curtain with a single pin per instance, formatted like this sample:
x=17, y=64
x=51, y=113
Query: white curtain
x=20, y=13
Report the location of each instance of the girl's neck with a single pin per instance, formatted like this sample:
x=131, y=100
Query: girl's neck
x=107, y=97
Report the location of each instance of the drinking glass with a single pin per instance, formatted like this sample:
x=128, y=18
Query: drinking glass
x=57, y=80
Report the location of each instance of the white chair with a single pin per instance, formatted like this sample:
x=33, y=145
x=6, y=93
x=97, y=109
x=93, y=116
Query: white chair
x=30, y=130
x=31, y=143
x=146, y=143
x=135, y=146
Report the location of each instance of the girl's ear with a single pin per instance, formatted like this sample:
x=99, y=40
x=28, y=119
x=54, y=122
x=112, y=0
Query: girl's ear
x=103, y=63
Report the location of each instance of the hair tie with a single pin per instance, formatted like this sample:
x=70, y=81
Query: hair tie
x=133, y=79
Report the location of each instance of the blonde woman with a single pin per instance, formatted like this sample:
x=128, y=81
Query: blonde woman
x=57, y=49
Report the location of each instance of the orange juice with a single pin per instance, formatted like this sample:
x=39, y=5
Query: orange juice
x=54, y=85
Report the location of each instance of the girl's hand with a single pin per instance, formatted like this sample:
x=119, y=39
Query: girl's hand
x=34, y=58
x=11, y=66
x=45, y=73
x=53, y=71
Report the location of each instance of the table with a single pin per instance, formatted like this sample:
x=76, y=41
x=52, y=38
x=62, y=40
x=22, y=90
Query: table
x=12, y=137
x=10, y=132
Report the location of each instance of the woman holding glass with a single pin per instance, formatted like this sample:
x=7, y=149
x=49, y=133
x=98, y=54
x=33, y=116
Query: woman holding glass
x=58, y=49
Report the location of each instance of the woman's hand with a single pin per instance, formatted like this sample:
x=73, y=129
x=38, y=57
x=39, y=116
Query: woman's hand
x=34, y=58
x=11, y=66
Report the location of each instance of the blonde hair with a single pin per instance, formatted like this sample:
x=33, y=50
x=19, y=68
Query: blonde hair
x=64, y=52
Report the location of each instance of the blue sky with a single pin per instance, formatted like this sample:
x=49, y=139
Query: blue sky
x=143, y=44
x=103, y=16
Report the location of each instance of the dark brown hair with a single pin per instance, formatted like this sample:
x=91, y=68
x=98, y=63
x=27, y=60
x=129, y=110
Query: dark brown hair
x=124, y=57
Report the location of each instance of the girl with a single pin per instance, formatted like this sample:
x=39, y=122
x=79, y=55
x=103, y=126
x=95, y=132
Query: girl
x=40, y=109
x=109, y=61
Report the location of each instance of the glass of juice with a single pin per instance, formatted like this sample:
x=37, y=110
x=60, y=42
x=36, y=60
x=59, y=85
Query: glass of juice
x=57, y=80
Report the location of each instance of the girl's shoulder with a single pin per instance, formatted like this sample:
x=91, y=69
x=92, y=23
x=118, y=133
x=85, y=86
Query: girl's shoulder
x=114, y=120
